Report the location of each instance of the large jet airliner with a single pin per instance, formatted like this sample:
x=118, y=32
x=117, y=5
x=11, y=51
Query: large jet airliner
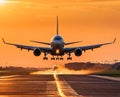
x=57, y=47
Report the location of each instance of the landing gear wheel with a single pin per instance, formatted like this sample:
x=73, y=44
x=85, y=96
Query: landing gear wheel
x=61, y=58
x=69, y=58
x=57, y=58
x=53, y=58
x=45, y=58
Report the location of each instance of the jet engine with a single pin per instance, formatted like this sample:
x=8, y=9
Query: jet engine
x=37, y=52
x=78, y=52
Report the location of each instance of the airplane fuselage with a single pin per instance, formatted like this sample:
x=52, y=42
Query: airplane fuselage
x=57, y=45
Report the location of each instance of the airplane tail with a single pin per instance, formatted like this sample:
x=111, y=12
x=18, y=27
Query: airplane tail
x=57, y=33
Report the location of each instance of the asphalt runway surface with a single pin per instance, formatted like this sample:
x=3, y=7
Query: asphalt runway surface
x=57, y=86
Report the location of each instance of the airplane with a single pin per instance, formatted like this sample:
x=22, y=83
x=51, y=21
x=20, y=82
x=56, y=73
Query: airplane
x=57, y=47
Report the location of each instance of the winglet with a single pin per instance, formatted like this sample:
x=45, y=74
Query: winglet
x=114, y=40
x=3, y=41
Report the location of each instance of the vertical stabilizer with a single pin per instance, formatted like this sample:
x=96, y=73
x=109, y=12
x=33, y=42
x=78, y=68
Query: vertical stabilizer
x=57, y=33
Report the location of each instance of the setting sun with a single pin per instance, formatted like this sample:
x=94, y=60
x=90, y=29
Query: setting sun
x=2, y=1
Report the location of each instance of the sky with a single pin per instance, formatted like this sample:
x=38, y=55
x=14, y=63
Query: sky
x=90, y=21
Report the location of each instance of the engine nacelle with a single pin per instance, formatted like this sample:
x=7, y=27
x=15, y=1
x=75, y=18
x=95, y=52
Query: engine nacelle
x=78, y=52
x=37, y=52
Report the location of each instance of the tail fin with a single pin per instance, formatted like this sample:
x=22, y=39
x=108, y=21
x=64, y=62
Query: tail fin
x=57, y=33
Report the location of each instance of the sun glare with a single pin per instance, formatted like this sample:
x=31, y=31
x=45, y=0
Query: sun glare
x=2, y=1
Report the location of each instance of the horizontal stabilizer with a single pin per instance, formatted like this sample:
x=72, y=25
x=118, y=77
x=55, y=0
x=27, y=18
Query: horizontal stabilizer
x=40, y=42
x=72, y=42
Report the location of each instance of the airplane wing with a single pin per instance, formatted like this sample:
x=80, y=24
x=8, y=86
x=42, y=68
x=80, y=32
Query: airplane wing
x=43, y=49
x=89, y=47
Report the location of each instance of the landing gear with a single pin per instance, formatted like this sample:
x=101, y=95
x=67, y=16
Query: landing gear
x=69, y=58
x=52, y=58
x=61, y=58
x=57, y=58
x=45, y=58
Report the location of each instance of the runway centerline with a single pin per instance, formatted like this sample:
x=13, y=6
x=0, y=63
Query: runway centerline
x=58, y=85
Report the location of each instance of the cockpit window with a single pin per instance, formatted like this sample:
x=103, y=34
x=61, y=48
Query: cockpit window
x=58, y=38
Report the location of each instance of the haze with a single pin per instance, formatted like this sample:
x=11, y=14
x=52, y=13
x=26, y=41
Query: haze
x=90, y=21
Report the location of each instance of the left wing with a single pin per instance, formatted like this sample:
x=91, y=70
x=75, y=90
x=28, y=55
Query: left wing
x=89, y=47
x=43, y=49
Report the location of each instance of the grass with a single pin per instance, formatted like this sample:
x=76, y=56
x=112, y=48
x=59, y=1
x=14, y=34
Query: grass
x=112, y=73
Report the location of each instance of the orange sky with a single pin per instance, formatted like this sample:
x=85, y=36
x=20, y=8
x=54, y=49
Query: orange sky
x=92, y=21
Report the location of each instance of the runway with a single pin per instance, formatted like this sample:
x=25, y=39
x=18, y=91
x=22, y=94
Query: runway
x=54, y=85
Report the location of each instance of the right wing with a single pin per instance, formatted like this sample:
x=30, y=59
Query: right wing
x=89, y=47
x=43, y=49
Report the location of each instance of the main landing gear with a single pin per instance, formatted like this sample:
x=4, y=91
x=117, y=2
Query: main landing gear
x=45, y=58
x=52, y=58
x=69, y=58
x=57, y=58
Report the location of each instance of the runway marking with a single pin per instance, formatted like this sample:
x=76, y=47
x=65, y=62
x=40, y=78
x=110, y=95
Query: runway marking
x=58, y=86
x=106, y=77
x=64, y=88
x=73, y=91
x=3, y=77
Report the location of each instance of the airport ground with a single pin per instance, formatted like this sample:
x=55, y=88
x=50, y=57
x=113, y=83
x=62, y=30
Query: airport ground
x=54, y=85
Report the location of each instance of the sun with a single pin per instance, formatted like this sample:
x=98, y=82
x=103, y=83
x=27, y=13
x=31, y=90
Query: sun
x=2, y=1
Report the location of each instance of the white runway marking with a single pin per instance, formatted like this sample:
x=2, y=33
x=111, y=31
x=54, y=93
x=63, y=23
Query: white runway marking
x=64, y=88
x=106, y=77
x=58, y=86
x=3, y=77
